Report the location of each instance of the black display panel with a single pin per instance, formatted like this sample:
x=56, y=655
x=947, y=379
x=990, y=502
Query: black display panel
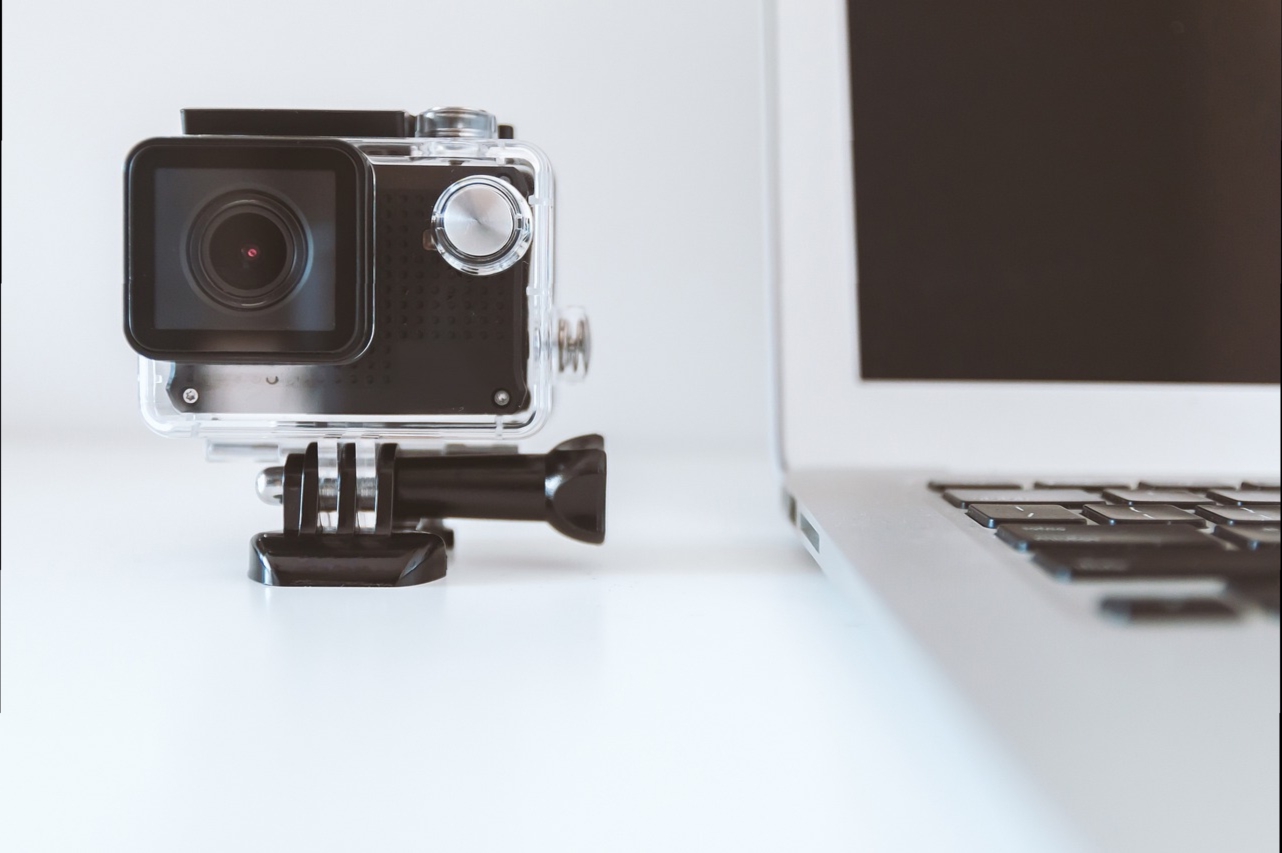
x=1068, y=191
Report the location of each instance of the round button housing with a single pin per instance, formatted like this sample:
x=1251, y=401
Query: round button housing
x=457, y=123
x=481, y=225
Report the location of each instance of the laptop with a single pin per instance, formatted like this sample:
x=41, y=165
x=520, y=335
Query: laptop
x=1025, y=263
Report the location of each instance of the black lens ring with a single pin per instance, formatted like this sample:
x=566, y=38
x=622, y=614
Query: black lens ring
x=221, y=209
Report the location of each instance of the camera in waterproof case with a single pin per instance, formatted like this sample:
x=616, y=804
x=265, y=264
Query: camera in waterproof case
x=370, y=294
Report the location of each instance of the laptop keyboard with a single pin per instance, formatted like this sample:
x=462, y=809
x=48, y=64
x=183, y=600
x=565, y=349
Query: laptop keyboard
x=1152, y=530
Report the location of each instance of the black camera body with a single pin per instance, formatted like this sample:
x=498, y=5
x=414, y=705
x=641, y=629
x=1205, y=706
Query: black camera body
x=294, y=272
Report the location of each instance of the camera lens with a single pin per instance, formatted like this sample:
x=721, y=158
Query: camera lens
x=247, y=250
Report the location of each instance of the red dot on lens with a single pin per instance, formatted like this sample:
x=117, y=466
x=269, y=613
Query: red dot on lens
x=251, y=252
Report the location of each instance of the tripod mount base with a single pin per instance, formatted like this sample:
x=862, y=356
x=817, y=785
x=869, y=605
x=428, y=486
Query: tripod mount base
x=396, y=559
x=384, y=527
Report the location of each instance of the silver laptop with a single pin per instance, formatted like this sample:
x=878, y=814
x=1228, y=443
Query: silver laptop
x=1026, y=263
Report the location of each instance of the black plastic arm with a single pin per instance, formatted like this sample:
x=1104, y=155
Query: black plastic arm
x=565, y=488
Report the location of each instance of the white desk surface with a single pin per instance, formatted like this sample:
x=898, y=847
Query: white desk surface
x=694, y=684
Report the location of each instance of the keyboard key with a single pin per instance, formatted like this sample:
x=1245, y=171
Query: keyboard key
x=945, y=485
x=1186, y=485
x=1250, y=537
x=1173, y=497
x=1063, y=497
x=1241, y=514
x=1265, y=593
x=1036, y=537
x=1159, y=564
x=994, y=515
x=1246, y=497
x=1090, y=485
x=1170, y=609
x=1143, y=514
x=1261, y=484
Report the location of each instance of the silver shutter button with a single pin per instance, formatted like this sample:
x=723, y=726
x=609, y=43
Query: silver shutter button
x=481, y=225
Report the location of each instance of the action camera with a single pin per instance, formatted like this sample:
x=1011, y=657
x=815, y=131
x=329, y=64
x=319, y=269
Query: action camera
x=365, y=297
x=295, y=273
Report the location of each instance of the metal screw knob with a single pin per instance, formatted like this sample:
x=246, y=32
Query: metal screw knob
x=270, y=485
x=573, y=344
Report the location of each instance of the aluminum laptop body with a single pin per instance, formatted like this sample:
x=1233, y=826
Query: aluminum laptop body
x=991, y=263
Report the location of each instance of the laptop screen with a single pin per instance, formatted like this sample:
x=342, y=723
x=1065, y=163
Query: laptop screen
x=1068, y=191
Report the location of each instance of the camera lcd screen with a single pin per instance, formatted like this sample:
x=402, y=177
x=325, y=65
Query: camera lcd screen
x=244, y=250
x=1068, y=191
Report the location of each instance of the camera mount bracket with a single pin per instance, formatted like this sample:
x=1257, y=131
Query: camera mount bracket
x=384, y=528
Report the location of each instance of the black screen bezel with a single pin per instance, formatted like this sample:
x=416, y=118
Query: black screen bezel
x=353, y=327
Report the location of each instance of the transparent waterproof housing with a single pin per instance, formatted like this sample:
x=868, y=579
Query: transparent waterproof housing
x=454, y=324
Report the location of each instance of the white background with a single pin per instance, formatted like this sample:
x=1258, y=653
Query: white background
x=650, y=113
